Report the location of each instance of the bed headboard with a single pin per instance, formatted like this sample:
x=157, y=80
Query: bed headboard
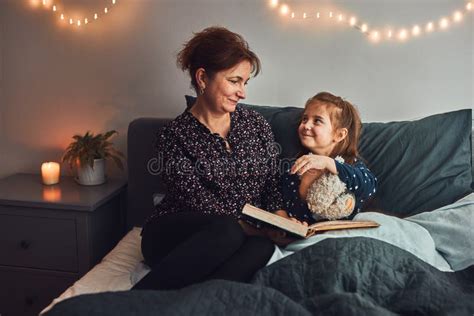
x=142, y=182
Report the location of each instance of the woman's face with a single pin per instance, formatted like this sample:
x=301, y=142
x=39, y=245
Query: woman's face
x=315, y=130
x=227, y=88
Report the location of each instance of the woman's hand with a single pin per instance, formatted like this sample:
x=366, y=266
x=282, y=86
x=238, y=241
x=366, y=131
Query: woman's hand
x=298, y=221
x=250, y=230
x=279, y=237
x=313, y=163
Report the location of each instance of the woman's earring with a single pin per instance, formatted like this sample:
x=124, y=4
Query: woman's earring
x=201, y=91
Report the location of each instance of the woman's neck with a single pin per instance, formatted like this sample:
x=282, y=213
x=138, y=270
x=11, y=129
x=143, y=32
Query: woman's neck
x=216, y=122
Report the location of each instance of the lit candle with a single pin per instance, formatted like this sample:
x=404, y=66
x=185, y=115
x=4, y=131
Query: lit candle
x=50, y=173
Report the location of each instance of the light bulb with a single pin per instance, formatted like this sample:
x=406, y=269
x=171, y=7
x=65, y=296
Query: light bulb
x=353, y=21
x=86, y=21
x=457, y=16
x=444, y=23
x=403, y=35
x=106, y=10
x=416, y=30
x=375, y=36
x=330, y=15
x=340, y=17
x=70, y=21
x=292, y=15
x=389, y=34
x=113, y=1
x=469, y=6
x=78, y=22
x=273, y=3
x=95, y=16
x=304, y=15
x=284, y=9
x=364, y=28
x=54, y=8
x=62, y=16
x=318, y=15
x=429, y=27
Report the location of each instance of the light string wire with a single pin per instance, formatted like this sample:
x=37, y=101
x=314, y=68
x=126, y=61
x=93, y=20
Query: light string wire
x=377, y=34
x=61, y=14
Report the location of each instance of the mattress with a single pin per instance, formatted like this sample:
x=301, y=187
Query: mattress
x=117, y=271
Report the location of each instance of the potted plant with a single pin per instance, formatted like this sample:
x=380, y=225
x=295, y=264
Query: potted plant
x=88, y=154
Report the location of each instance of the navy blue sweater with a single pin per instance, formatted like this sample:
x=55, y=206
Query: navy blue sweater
x=358, y=179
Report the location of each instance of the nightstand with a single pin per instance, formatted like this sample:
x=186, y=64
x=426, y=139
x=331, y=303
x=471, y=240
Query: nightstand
x=52, y=235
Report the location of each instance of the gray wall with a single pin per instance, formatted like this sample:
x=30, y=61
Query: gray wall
x=58, y=81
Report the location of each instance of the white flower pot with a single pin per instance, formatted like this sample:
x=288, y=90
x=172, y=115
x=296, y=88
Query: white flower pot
x=92, y=176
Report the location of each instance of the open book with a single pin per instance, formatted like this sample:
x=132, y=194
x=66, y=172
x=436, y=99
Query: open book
x=300, y=229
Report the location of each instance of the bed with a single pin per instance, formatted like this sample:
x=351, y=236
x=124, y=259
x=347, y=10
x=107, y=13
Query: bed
x=419, y=261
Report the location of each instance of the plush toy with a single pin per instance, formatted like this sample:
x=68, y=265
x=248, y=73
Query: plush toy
x=328, y=198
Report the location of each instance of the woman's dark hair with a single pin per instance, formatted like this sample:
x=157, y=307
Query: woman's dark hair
x=343, y=115
x=215, y=49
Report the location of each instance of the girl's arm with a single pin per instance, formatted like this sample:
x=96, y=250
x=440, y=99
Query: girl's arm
x=358, y=179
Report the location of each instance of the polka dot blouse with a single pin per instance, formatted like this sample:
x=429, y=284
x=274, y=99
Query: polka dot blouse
x=203, y=175
x=358, y=179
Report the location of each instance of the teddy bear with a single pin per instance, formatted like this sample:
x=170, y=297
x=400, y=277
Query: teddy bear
x=329, y=199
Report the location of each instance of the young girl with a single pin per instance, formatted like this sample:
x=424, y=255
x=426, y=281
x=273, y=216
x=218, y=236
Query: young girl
x=329, y=131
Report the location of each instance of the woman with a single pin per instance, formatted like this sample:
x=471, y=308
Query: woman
x=217, y=157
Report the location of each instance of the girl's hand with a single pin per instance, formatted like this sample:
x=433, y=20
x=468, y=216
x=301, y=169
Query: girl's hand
x=282, y=213
x=311, y=162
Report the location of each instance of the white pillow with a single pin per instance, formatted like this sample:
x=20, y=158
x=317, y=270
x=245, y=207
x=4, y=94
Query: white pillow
x=452, y=229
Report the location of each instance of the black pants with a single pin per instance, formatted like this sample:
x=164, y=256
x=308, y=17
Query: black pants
x=186, y=248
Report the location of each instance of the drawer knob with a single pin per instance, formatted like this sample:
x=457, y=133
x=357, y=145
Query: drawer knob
x=24, y=244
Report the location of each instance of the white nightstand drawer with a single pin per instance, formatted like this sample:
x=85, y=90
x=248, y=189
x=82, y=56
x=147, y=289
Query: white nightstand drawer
x=38, y=242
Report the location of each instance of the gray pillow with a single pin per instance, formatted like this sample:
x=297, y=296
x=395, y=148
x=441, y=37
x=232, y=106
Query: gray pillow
x=419, y=165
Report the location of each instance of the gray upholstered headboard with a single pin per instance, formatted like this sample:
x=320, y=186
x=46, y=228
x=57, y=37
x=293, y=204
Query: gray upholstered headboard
x=142, y=179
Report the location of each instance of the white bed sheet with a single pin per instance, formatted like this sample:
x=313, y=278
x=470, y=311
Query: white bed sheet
x=113, y=273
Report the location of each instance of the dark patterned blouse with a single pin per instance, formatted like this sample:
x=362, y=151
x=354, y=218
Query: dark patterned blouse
x=358, y=179
x=202, y=175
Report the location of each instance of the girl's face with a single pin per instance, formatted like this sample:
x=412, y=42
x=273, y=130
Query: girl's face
x=316, y=130
x=227, y=88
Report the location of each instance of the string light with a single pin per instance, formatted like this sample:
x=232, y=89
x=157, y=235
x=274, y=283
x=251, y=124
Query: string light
x=429, y=27
x=457, y=16
x=444, y=23
x=401, y=33
x=284, y=9
x=49, y=4
x=416, y=30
